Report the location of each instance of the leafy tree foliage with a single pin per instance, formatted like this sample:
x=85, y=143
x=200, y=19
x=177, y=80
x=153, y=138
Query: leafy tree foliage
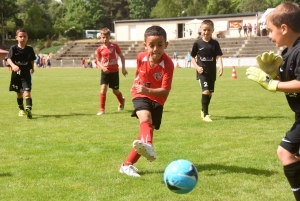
x=166, y=8
x=141, y=9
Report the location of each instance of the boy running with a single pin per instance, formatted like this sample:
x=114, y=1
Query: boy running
x=107, y=60
x=150, y=90
x=284, y=30
x=208, y=51
x=21, y=58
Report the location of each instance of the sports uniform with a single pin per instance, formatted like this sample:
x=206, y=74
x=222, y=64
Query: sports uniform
x=108, y=57
x=290, y=70
x=159, y=76
x=21, y=80
x=207, y=53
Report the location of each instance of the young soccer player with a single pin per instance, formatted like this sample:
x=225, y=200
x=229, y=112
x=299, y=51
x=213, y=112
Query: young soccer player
x=207, y=51
x=150, y=90
x=284, y=30
x=107, y=60
x=21, y=59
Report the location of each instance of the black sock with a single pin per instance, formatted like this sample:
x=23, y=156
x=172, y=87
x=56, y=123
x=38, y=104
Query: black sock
x=20, y=103
x=205, y=102
x=29, y=103
x=292, y=173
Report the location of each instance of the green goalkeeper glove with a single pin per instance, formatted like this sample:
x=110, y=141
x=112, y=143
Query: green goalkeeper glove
x=269, y=62
x=262, y=78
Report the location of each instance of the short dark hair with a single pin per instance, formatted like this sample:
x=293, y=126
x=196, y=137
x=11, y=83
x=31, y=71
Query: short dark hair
x=105, y=31
x=286, y=13
x=208, y=22
x=155, y=31
x=21, y=30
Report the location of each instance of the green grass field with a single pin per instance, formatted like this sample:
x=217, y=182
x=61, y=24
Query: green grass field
x=66, y=152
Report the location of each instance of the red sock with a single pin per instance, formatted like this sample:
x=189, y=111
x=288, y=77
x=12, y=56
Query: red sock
x=146, y=132
x=132, y=158
x=120, y=98
x=102, y=101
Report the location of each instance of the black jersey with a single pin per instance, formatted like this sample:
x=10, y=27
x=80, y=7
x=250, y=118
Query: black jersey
x=290, y=70
x=207, y=53
x=22, y=57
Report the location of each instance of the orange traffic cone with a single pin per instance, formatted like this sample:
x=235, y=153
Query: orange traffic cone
x=233, y=75
x=177, y=65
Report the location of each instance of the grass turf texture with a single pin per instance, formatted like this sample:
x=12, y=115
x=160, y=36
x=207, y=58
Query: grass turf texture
x=66, y=152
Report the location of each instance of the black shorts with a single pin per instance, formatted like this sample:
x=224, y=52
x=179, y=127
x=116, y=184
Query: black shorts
x=291, y=141
x=20, y=81
x=206, y=83
x=110, y=79
x=155, y=109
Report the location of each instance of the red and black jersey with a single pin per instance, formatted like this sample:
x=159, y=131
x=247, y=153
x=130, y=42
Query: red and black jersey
x=159, y=76
x=108, y=56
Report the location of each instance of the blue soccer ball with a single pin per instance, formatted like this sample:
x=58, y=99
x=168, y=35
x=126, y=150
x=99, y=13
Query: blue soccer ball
x=181, y=176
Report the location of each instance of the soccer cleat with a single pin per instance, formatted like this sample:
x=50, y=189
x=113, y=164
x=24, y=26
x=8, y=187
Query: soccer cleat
x=28, y=113
x=207, y=118
x=121, y=107
x=202, y=114
x=144, y=149
x=130, y=170
x=21, y=113
x=101, y=112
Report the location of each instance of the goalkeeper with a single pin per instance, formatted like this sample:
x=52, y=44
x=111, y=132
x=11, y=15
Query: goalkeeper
x=277, y=75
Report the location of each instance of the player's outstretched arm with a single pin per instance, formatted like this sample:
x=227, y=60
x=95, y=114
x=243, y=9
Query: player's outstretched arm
x=257, y=75
x=269, y=62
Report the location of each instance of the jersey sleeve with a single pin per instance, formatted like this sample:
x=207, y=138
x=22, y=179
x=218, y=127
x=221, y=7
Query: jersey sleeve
x=194, y=50
x=32, y=54
x=168, y=76
x=218, y=49
x=11, y=52
x=297, y=66
x=118, y=50
x=98, y=54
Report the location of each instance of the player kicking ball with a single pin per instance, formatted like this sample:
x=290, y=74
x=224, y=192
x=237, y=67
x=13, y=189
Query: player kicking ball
x=151, y=87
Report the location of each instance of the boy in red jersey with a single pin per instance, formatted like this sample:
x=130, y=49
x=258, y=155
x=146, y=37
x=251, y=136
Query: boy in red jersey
x=150, y=90
x=107, y=60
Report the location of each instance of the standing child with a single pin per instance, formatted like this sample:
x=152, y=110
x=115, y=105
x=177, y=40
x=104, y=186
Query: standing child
x=21, y=58
x=208, y=51
x=188, y=58
x=150, y=90
x=108, y=62
x=284, y=30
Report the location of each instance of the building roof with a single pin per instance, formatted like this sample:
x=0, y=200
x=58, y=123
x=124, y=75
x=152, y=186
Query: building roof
x=188, y=18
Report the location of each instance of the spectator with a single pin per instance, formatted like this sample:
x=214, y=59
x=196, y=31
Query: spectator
x=255, y=30
x=245, y=30
x=83, y=62
x=191, y=32
x=48, y=62
x=175, y=55
x=264, y=28
x=188, y=58
x=240, y=29
x=249, y=28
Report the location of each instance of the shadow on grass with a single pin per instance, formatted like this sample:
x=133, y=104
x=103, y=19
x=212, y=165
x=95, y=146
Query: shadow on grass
x=216, y=169
x=247, y=117
x=5, y=174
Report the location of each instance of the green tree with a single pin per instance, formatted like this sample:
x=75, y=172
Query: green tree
x=114, y=10
x=216, y=7
x=7, y=12
x=166, y=8
x=141, y=9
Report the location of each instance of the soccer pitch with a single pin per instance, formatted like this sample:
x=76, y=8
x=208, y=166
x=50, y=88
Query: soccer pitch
x=66, y=152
